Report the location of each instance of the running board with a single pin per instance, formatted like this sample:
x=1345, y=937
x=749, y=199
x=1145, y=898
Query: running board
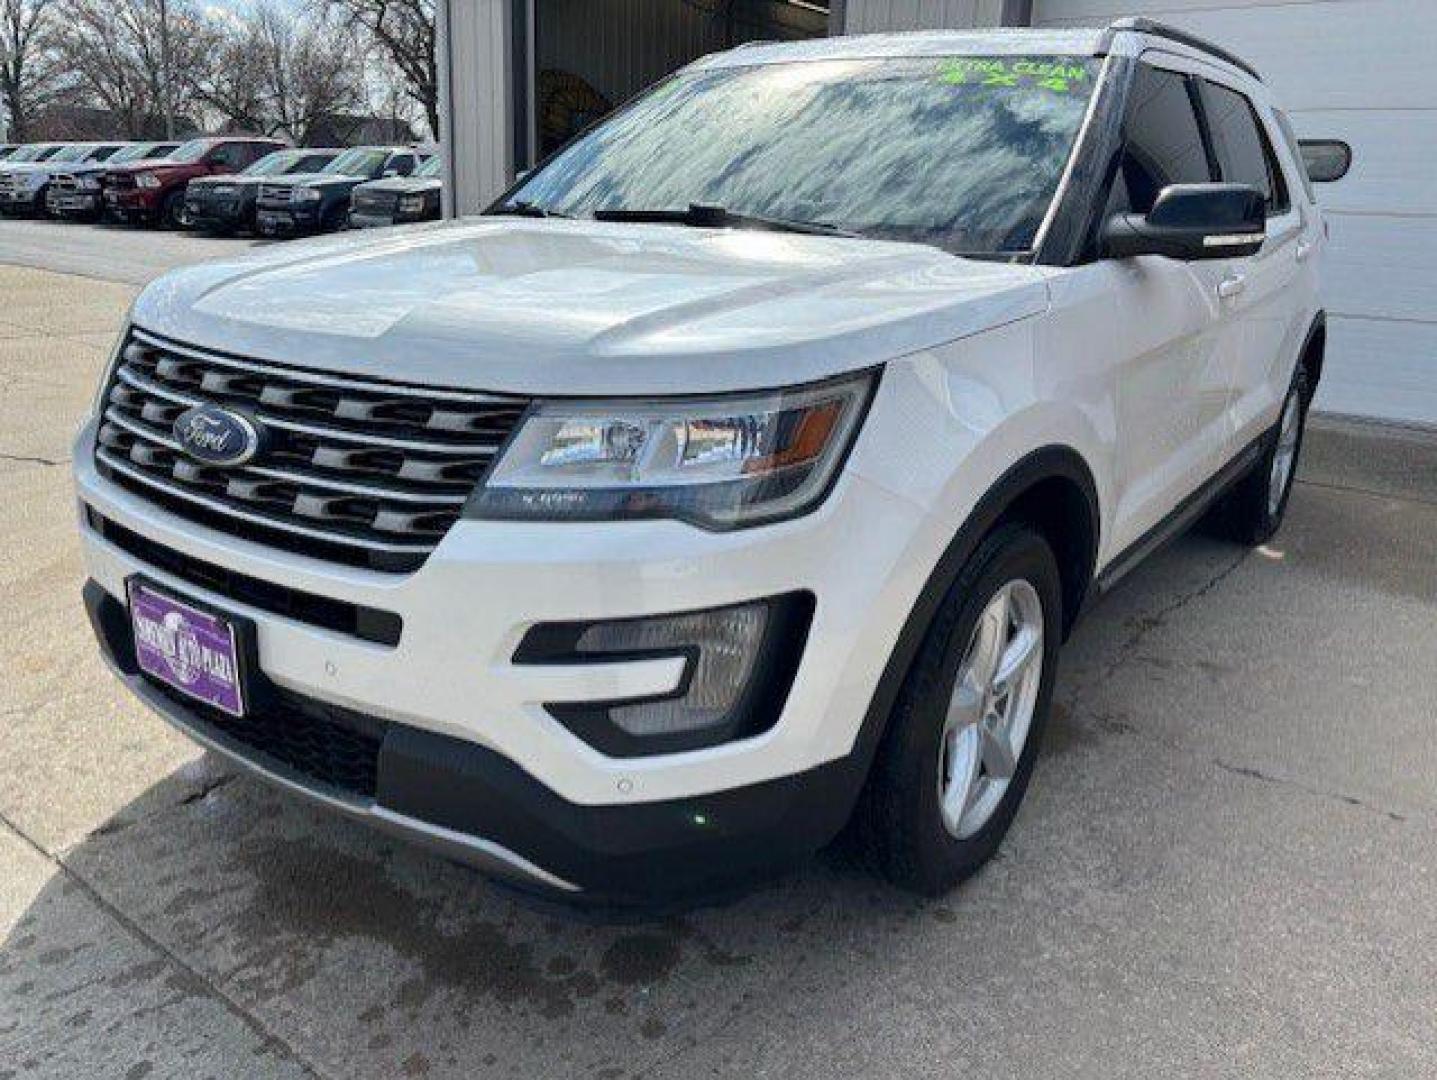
x=1182, y=517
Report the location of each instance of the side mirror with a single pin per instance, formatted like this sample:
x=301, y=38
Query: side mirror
x=1326, y=160
x=1191, y=222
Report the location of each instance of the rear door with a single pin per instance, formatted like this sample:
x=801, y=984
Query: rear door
x=1263, y=301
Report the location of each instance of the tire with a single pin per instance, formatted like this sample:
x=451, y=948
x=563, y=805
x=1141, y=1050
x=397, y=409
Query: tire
x=1252, y=512
x=902, y=825
x=172, y=214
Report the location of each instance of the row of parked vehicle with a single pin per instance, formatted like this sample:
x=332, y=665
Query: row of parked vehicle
x=221, y=185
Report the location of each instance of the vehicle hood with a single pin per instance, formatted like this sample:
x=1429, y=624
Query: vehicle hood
x=584, y=307
x=233, y=180
x=159, y=165
x=404, y=185
x=315, y=180
x=144, y=165
x=86, y=168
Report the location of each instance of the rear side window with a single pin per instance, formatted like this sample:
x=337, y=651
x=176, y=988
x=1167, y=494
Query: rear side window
x=1243, y=153
x=1162, y=141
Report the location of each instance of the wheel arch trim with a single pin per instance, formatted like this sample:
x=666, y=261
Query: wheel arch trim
x=1049, y=463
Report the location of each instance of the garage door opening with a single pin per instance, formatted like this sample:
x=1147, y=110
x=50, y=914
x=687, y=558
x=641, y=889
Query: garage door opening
x=584, y=58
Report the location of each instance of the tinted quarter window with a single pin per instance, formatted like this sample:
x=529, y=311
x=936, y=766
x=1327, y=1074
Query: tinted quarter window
x=228, y=155
x=1162, y=142
x=1242, y=151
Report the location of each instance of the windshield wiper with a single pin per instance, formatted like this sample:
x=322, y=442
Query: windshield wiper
x=700, y=216
x=522, y=208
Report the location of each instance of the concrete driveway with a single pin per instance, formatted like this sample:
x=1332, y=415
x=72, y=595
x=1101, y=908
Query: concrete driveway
x=1226, y=866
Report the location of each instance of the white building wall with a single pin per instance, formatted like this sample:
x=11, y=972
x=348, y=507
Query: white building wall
x=476, y=108
x=1361, y=71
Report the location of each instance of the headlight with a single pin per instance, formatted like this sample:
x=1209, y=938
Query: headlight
x=147, y=180
x=308, y=195
x=719, y=463
x=411, y=204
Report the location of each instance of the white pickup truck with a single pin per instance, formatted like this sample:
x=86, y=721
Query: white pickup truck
x=737, y=476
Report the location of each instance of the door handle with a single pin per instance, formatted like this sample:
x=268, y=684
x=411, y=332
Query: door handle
x=1231, y=287
x=1304, y=249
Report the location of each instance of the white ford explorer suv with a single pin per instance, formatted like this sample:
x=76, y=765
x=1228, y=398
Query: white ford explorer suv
x=737, y=476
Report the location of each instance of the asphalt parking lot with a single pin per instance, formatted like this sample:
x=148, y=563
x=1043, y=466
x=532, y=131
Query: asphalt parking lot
x=1226, y=865
x=109, y=252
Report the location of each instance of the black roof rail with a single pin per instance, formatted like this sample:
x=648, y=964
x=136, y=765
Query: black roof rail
x=1139, y=25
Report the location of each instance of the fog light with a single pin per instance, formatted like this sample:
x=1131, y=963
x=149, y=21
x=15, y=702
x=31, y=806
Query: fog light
x=740, y=663
x=726, y=642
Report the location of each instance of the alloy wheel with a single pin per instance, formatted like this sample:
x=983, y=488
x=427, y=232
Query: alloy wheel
x=991, y=710
x=1284, y=456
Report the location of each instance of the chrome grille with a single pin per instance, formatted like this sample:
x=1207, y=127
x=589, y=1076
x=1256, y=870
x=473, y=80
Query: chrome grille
x=367, y=473
x=275, y=195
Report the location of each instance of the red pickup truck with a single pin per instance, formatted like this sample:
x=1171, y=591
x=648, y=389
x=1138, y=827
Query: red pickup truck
x=153, y=192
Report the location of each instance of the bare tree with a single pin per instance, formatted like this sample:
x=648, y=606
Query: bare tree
x=141, y=59
x=31, y=73
x=235, y=84
x=314, y=71
x=279, y=73
x=403, y=33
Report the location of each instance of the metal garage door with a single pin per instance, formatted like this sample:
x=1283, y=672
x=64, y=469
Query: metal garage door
x=1358, y=70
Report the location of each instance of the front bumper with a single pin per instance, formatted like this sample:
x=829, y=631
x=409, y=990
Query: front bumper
x=214, y=212
x=21, y=202
x=470, y=804
x=376, y=220
x=287, y=222
x=74, y=204
x=133, y=202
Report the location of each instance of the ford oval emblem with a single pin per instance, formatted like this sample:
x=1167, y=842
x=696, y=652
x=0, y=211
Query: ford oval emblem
x=217, y=436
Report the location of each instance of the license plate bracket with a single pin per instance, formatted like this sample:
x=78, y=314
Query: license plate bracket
x=189, y=646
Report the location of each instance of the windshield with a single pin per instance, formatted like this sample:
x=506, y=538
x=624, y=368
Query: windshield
x=961, y=152
x=429, y=169
x=358, y=162
x=190, y=152
x=276, y=164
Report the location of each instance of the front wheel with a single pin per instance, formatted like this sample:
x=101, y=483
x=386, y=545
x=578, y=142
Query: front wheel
x=964, y=735
x=1253, y=510
x=172, y=211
